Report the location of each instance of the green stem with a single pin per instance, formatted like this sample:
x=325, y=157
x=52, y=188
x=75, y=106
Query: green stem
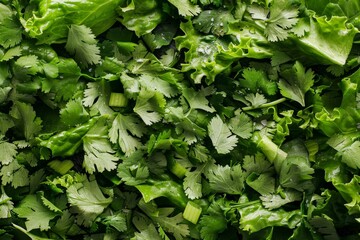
x=269, y=104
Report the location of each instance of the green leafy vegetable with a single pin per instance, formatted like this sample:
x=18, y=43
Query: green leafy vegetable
x=191, y=119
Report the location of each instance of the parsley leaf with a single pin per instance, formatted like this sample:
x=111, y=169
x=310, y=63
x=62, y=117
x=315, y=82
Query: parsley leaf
x=81, y=43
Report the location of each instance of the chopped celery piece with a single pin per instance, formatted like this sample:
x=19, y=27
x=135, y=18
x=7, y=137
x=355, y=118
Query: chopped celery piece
x=192, y=212
x=117, y=100
x=178, y=169
x=61, y=167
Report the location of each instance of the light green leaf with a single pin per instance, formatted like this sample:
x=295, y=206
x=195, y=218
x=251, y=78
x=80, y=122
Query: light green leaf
x=220, y=136
x=36, y=214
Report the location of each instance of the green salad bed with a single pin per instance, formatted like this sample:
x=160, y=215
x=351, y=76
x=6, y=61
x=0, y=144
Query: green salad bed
x=180, y=119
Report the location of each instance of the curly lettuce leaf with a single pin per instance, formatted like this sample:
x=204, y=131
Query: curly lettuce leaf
x=49, y=23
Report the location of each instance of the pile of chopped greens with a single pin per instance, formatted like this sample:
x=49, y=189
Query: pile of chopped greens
x=180, y=119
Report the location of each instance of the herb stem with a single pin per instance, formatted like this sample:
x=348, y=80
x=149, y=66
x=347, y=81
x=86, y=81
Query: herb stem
x=269, y=104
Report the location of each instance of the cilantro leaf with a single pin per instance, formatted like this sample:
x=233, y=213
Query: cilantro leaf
x=121, y=129
x=74, y=113
x=226, y=179
x=96, y=96
x=149, y=105
x=159, y=84
x=273, y=201
x=220, y=136
x=6, y=205
x=98, y=151
x=218, y=24
x=213, y=222
x=81, y=43
x=25, y=119
x=8, y=151
x=197, y=100
x=241, y=125
x=296, y=83
x=172, y=224
x=279, y=18
x=193, y=179
x=255, y=80
x=36, y=214
x=186, y=8
x=325, y=226
x=148, y=233
x=14, y=173
x=87, y=200
x=11, y=31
